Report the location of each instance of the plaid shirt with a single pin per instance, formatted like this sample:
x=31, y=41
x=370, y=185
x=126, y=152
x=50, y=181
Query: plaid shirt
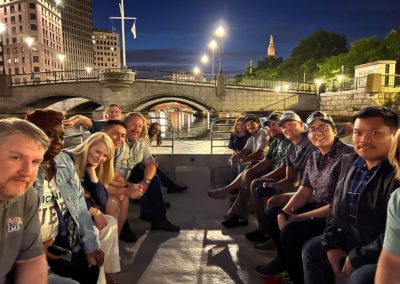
x=358, y=180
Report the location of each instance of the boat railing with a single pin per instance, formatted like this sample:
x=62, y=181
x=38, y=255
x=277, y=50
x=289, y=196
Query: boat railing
x=75, y=136
x=220, y=129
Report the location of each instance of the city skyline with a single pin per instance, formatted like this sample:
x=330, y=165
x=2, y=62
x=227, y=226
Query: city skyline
x=174, y=35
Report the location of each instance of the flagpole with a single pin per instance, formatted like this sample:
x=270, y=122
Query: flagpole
x=123, y=18
x=121, y=8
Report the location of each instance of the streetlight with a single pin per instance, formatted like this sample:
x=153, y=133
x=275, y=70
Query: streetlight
x=2, y=30
x=213, y=45
x=204, y=59
x=61, y=57
x=29, y=41
x=220, y=33
x=318, y=83
x=196, y=70
x=340, y=79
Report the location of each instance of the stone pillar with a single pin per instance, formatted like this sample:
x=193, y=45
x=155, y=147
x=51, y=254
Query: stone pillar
x=5, y=90
x=374, y=83
x=221, y=85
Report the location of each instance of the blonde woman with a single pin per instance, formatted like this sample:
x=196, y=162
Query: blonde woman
x=94, y=161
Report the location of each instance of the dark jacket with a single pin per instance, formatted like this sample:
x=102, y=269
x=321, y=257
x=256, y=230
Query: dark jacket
x=371, y=208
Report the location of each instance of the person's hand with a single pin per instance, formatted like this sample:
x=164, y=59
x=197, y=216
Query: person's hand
x=144, y=185
x=334, y=257
x=119, y=181
x=46, y=246
x=100, y=220
x=95, y=258
x=348, y=268
x=135, y=190
x=91, y=171
x=68, y=123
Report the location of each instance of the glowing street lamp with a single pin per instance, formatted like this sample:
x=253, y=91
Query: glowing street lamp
x=88, y=69
x=220, y=33
x=213, y=45
x=318, y=83
x=29, y=42
x=204, y=59
x=196, y=70
x=61, y=57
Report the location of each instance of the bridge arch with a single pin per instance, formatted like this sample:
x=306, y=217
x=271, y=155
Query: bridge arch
x=148, y=102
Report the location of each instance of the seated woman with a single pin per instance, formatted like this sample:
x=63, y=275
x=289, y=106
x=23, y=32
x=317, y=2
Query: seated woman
x=65, y=220
x=94, y=162
x=304, y=215
x=154, y=133
x=253, y=152
x=237, y=141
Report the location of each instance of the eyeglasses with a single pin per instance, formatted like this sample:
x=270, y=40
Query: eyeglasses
x=322, y=129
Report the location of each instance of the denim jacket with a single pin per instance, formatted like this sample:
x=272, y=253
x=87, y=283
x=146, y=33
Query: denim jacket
x=71, y=190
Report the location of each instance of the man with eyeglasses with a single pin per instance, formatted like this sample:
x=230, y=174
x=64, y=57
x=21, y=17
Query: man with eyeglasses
x=113, y=112
x=352, y=240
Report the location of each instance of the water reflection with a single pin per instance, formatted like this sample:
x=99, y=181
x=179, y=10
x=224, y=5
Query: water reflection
x=183, y=122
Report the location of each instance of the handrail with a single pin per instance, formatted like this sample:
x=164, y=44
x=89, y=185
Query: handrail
x=82, y=132
x=283, y=104
x=227, y=128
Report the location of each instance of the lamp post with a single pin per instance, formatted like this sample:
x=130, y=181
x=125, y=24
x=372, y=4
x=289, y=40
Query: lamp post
x=2, y=30
x=196, y=72
x=213, y=45
x=61, y=57
x=220, y=33
x=204, y=59
x=29, y=41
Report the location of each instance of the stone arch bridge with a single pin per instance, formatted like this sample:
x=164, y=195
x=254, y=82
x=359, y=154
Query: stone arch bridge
x=142, y=94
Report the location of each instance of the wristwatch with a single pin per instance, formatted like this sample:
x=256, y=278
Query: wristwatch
x=284, y=213
x=147, y=181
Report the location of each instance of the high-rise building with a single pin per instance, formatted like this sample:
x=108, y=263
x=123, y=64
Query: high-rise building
x=32, y=40
x=106, y=49
x=77, y=31
x=271, y=47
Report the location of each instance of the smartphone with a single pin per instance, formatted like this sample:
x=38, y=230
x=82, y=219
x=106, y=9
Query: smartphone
x=266, y=191
x=60, y=252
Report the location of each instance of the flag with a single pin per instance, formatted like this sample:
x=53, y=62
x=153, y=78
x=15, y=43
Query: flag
x=133, y=30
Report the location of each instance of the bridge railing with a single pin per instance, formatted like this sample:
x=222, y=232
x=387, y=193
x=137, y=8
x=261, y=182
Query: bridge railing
x=54, y=77
x=173, y=76
x=220, y=129
x=278, y=85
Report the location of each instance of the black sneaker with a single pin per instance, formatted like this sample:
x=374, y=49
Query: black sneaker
x=265, y=246
x=257, y=236
x=165, y=226
x=176, y=188
x=272, y=268
x=235, y=221
x=126, y=234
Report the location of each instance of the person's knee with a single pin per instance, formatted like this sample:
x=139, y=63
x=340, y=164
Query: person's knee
x=112, y=206
x=363, y=275
x=310, y=248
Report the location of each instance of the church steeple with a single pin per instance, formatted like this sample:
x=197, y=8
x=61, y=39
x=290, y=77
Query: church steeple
x=271, y=47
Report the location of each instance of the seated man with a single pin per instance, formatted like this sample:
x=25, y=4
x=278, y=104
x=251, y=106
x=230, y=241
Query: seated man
x=64, y=217
x=296, y=157
x=22, y=146
x=272, y=162
x=352, y=241
x=253, y=152
x=135, y=157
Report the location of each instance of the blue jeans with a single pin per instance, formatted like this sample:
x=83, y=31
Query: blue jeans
x=317, y=268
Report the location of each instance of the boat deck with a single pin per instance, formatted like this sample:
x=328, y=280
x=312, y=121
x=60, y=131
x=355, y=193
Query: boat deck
x=203, y=251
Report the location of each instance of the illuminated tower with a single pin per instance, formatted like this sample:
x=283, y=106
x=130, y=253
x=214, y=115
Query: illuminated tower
x=271, y=47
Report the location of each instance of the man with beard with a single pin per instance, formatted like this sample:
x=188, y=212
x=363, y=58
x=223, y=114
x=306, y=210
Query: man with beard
x=22, y=146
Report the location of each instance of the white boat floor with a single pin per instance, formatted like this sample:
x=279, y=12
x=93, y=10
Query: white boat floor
x=203, y=251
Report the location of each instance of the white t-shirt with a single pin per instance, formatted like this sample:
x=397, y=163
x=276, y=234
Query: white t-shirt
x=47, y=212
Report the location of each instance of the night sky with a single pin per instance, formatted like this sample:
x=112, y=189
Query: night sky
x=173, y=34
